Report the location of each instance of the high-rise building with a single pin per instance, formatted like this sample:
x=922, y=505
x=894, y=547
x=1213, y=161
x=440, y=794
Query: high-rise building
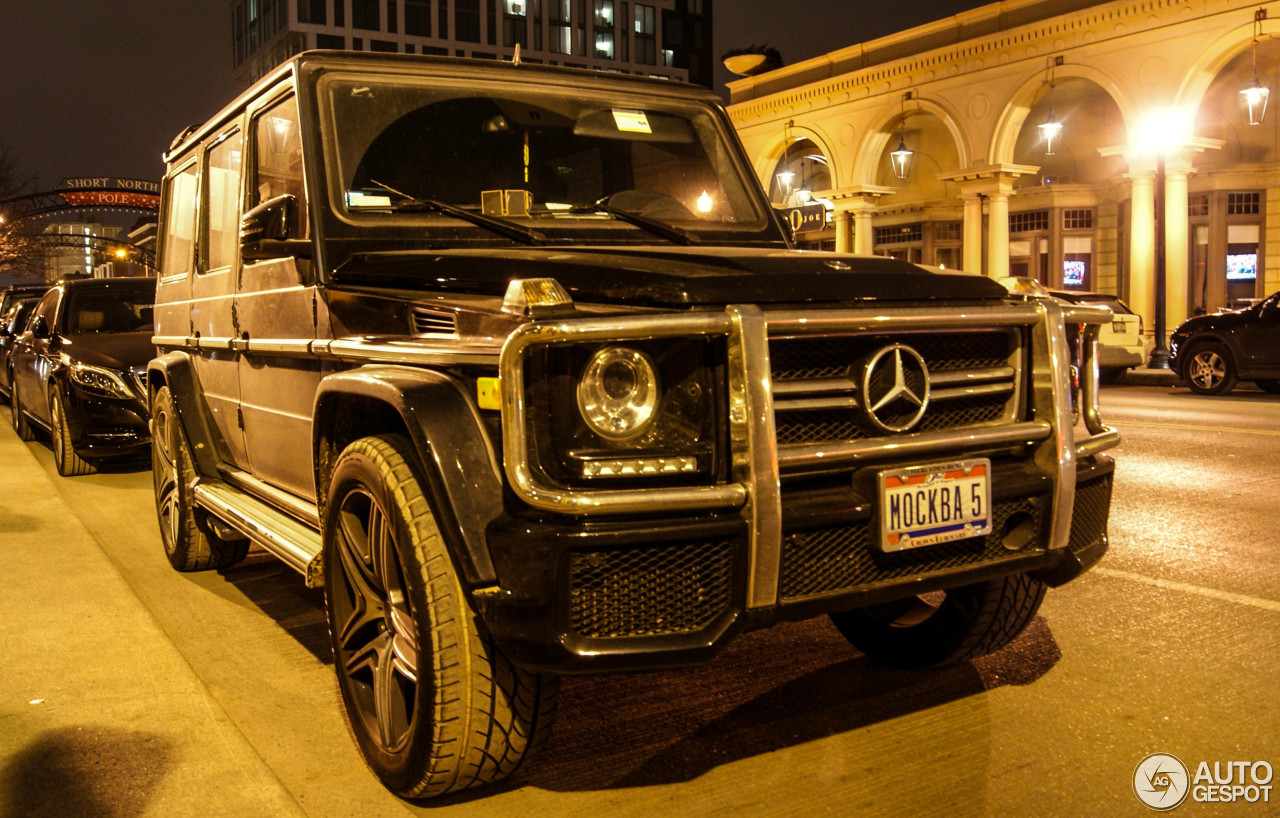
x=668, y=39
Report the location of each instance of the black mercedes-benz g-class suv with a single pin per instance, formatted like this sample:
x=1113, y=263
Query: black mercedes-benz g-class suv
x=519, y=365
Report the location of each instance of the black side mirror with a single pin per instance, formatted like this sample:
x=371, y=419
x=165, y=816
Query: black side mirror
x=264, y=231
x=39, y=327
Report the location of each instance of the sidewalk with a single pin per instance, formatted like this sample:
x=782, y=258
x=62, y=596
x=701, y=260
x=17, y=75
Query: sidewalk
x=99, y=713
x=1141, y=376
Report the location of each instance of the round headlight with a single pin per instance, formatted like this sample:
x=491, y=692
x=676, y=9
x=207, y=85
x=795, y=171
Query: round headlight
x=618, y=393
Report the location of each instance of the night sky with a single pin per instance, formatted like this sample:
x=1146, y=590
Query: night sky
x=100, y=89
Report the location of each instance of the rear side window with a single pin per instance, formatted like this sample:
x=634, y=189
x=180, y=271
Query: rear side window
x=179, y=222
x=222, y=189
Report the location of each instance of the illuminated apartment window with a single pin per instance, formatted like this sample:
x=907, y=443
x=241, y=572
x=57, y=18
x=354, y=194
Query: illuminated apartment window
x=604, y=45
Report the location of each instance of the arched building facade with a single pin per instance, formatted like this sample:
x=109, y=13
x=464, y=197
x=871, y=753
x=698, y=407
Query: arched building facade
x=1147, y=94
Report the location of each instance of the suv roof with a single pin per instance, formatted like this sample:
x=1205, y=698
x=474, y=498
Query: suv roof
x=309, y=63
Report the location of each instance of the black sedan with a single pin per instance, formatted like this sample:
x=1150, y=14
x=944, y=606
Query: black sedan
x=79, y=370
x=11, y=324
x=1213, y=352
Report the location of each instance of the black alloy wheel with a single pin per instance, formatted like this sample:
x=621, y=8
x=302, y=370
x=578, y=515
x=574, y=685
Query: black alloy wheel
x=434, y=705
x=187, y=544
x=65, y=458
x=1210, y=370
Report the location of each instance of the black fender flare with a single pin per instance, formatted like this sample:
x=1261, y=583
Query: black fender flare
x=464, y=479
x=174, y=370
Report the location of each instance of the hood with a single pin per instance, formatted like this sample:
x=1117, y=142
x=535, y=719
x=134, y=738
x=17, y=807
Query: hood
x=672, y=277
x=110, y=350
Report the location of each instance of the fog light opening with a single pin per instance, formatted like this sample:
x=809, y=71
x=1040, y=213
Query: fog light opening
x=1019, y=531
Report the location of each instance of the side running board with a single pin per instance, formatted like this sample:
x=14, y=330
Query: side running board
x=294, y=543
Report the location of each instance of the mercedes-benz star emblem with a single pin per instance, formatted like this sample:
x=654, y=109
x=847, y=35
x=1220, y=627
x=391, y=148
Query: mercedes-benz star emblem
x=895, y=388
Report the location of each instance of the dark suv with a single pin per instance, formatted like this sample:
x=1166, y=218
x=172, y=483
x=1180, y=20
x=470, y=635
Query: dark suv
x=1214, y=352
x=518, y=363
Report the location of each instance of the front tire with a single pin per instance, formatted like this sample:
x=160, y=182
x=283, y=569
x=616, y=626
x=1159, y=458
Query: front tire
x=187, y=544
x=1210, y=370
x=65, y=458
x=434, y=705
x=925, y=632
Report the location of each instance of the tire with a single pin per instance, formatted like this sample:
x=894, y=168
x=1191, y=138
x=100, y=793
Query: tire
x=20, y=424
x=968, y=622
x=65, y=458
x=187, y=543
x=1270, y=386
x=433, y=704
x=1209, y=370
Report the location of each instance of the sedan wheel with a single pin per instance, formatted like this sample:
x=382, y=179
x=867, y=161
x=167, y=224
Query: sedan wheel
x=65, y=458
x=1210, y=371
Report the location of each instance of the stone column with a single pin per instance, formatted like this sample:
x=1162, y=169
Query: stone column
x=1142, y=244
x=844, y=231
x=997, y=234
x=1176, y=240
x=973, y=233
x=864, y=235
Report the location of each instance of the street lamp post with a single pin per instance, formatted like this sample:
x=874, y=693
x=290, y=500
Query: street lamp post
x=1159, y=353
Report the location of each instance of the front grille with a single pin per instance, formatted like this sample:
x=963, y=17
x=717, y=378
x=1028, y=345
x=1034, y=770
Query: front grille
x=838, y=559
x=973, y=374
x=650, y=590
x=1089, y=519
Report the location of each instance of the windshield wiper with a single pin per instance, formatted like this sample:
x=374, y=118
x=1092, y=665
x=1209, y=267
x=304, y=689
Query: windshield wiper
x=667, y=231
x=500, y=226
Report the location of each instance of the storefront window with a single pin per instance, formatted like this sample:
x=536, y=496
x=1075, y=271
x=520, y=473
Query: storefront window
x=1242, y=263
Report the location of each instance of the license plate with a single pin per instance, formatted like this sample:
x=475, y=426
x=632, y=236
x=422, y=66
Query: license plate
x=1119, y=326
x=936, y=503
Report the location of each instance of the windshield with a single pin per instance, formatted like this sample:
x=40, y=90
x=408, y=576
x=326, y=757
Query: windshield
x=411, y=149
x=110, y=309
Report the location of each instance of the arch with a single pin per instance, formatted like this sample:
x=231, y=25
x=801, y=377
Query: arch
x=1214, y=57
x=776, y=146
x=1014, y=114
x=876, y=138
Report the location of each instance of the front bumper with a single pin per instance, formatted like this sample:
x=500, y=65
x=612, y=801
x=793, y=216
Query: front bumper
x=670, y=591
x=103, y=427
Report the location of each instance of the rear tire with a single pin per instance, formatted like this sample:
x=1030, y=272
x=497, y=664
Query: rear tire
x=187, y=544
x=434, y=705
x=1210, y=370
x=968, y=622
x=68, y=462
x=20, y=424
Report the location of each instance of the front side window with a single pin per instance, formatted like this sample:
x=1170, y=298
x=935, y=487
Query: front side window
x=530, y=152
x=278, y=171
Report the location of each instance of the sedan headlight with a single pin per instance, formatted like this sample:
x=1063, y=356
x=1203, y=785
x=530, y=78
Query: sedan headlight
x=618, y=393
x=99, y=381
